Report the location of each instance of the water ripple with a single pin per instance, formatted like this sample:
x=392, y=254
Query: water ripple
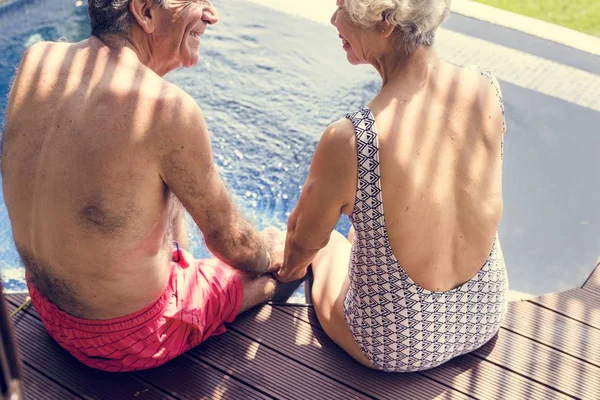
x=268, y=88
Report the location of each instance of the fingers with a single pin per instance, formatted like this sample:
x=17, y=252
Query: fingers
x=290, y=276
x=273, y=235
x=275, y=266
x=275, y=242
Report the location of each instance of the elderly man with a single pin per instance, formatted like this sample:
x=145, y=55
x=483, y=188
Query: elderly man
x=99, y=155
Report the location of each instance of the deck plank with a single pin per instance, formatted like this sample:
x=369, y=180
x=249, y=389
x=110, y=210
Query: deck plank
x=554, y=330
x=485, y=380
x=470, y=374
x=215, y=354
x=593, y=282
x=306, y=314
x=549, y=348
x=312, y=347
x=269, y=371
x=16, y=298
x=38, y=387
x=225, y=353
x=578, y=304
x=187, y=378
x=177, y=376
x=39, y=350
x=542, y=364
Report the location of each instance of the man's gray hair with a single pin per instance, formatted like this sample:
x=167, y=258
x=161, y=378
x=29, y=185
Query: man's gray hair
x=417, y=20
x=113, y=16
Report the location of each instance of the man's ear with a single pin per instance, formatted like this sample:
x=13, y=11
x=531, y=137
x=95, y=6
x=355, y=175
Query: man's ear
x=143, y=13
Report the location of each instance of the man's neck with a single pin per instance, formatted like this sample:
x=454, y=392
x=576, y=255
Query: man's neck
x=127, y=46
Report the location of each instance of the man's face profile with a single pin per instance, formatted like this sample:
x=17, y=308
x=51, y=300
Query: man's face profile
x=178, y=29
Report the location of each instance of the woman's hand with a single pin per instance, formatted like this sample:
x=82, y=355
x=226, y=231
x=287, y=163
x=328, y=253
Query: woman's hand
x=286, y=275
x=328, y=192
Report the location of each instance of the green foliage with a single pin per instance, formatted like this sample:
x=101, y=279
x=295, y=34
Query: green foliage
x=579, y=15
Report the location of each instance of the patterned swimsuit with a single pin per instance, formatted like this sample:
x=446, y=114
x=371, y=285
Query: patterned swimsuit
x=398, y=325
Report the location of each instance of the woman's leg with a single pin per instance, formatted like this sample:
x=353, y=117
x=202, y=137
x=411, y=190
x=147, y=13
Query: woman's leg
x=330, y=270
x=351, y=234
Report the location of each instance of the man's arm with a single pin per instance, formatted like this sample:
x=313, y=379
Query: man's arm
x=11, y=97
x=329, y=191
x=186, y=166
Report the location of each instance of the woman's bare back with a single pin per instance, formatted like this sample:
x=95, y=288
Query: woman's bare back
x=440, y=158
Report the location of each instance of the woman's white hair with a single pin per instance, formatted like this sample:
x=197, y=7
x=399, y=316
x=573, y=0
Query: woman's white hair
x=417, y=20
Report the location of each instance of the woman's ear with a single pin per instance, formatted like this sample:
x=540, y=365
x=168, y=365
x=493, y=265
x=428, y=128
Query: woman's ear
x=143, y=13
x=386, y=28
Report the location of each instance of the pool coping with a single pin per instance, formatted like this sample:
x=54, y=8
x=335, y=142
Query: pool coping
x=320, y=11
x=532, y=26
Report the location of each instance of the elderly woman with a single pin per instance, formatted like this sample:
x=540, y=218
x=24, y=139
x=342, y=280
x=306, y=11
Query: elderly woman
x=424, y=279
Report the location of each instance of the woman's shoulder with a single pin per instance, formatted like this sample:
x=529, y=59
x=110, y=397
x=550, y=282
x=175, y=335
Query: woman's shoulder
x=337, y=146
x=486, y=75
x=490, y=90
x=340, y=131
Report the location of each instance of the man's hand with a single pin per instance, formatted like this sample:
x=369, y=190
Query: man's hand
x=274, y=240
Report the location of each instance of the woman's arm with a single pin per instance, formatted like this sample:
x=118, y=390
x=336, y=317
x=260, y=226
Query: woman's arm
x=328, y=191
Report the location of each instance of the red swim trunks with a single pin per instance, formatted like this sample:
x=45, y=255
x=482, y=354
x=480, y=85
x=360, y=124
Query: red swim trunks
x=197, y=302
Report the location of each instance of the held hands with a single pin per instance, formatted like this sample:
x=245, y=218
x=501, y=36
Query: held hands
x=293, y=269
x=274, y=240
x=286, y=275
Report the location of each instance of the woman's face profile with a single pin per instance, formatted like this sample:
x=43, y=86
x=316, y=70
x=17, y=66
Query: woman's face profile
x=359, y=43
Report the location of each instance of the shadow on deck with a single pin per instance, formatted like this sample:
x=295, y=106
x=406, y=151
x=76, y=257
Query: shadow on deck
x=548, y=348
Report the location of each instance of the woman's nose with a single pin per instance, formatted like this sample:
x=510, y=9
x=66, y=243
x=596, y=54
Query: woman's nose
x=210, y=15
x=333, y=18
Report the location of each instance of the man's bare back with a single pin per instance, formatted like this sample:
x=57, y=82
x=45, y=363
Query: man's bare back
x=89, y=210
x=100, y=156
x=96, y=143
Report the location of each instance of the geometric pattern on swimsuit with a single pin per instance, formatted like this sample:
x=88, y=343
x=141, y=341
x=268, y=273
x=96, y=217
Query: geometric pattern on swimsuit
x=398, y=325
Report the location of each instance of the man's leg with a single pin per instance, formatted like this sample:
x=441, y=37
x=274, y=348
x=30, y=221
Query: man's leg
x=261, y=289
x=330, y=285
x=257, y=291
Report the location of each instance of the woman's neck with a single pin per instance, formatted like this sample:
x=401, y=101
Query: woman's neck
x=399, y=65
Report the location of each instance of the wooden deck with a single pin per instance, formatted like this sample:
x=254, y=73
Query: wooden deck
x=548, y=348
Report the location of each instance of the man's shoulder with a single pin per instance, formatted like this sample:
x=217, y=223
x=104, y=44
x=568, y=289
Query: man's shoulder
x=174, y=114
x=176, y=99
x=42, y=53
x=169, y=99
x=44, y=47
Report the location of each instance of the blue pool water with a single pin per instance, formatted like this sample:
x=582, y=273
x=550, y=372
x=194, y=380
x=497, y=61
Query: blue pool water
x=265, y=85
x=269, y=84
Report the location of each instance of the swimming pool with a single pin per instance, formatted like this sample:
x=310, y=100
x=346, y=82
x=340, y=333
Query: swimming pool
x=268, y=84
x=264, y=117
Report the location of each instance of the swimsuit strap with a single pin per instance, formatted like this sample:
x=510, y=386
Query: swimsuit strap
x=368, y=206
x=494, y=82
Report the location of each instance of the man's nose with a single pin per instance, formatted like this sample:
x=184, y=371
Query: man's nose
x=210, y=15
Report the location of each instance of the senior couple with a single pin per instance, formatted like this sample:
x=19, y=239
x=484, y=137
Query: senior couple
x=101, y=156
